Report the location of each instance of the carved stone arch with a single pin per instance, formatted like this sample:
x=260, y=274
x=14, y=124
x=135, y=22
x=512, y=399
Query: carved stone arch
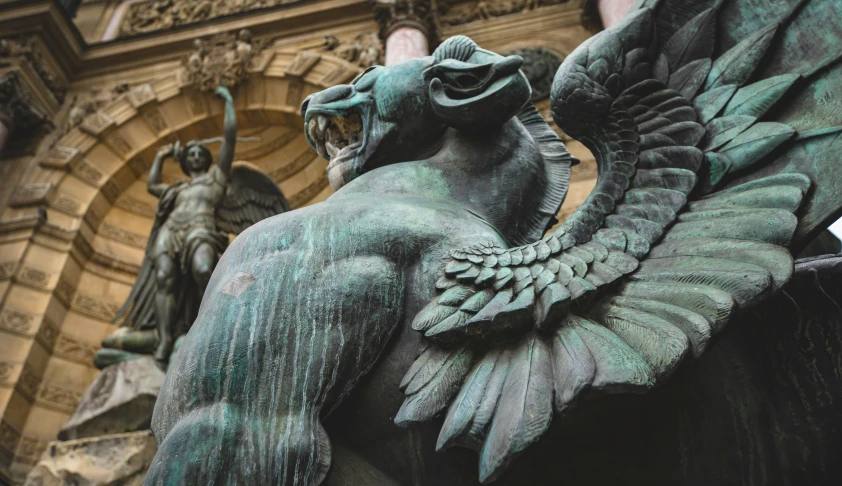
x=66, y=277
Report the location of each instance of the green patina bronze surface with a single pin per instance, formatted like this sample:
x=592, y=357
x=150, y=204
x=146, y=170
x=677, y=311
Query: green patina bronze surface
x=422, y=307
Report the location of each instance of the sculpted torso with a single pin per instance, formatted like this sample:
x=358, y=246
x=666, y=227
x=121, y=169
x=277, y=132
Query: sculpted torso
x=200, y=197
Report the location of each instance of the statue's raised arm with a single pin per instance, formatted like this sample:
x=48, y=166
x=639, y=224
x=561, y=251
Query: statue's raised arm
x=229, y=126
x=155, y=186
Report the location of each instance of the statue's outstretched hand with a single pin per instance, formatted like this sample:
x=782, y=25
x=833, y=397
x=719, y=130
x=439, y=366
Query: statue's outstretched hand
x=223, y=92
x=165, y=151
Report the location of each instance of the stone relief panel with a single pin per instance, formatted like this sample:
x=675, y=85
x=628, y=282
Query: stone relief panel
x=165, y=14
x=17, y=322
x=456, y=12
x=222, y=57
x=364, y=50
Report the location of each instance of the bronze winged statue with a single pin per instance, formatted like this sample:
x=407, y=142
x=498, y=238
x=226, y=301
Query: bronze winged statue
x=192, y=223
x=334, y=347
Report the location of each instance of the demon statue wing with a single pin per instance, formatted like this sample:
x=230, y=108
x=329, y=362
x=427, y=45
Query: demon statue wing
x=690, y=221
x=250, y=196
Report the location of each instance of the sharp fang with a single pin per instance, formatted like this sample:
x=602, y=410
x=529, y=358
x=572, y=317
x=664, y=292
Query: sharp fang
x=320, y=148
x=311, y=129
x=322, y=124
x=331, y=149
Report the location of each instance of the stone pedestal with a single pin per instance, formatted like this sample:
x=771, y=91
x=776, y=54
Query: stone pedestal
x=117, y=459
x=120, y=400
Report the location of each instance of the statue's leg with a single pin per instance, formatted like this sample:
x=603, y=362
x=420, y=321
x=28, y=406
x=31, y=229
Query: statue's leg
x=165, y=276
x=204, y=260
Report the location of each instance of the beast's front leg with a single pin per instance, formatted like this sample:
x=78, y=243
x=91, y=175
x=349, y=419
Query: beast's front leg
x=262, y=365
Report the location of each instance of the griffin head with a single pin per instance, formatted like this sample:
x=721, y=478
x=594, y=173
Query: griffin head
x=398, y=113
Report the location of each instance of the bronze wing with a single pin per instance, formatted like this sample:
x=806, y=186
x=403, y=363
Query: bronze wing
x=251, y=196
x=691, y=220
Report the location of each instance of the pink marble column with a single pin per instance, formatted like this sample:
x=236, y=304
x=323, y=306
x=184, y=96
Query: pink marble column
x=4, y=135
x=406, y=43
x=610, y=11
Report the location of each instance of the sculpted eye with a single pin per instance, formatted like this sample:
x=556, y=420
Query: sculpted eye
x=365, y=81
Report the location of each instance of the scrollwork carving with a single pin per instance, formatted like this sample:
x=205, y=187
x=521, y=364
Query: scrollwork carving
x=92, y=306
x=59, y=396
x=122, y=235
x=74, y=349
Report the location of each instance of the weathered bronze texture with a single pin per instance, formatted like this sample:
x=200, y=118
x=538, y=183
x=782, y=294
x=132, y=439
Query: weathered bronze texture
x=191, y=229
x=709, y=177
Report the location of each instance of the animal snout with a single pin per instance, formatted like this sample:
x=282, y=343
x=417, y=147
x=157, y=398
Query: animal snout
x=329, y=95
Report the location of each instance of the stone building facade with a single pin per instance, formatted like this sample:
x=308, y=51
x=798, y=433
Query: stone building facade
x=86, y=100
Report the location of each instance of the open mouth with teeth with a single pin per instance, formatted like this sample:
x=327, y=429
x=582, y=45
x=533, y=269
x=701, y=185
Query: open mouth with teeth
x=336, y=138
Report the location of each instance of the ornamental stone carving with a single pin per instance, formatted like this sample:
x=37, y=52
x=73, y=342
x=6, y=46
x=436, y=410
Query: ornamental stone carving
x=95, y=100
x=25, y=48
x=16, y=109
x=164, y=14
x=456, y=12
x=225, y=56
x=365, y=50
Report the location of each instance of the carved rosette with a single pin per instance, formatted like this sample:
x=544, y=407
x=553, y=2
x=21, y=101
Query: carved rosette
x=394, y=14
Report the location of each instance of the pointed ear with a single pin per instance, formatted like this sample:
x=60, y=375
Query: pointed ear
x=473, y=97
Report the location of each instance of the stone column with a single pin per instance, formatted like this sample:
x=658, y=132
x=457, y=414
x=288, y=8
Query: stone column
x=610, y=11
x=406, y=28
